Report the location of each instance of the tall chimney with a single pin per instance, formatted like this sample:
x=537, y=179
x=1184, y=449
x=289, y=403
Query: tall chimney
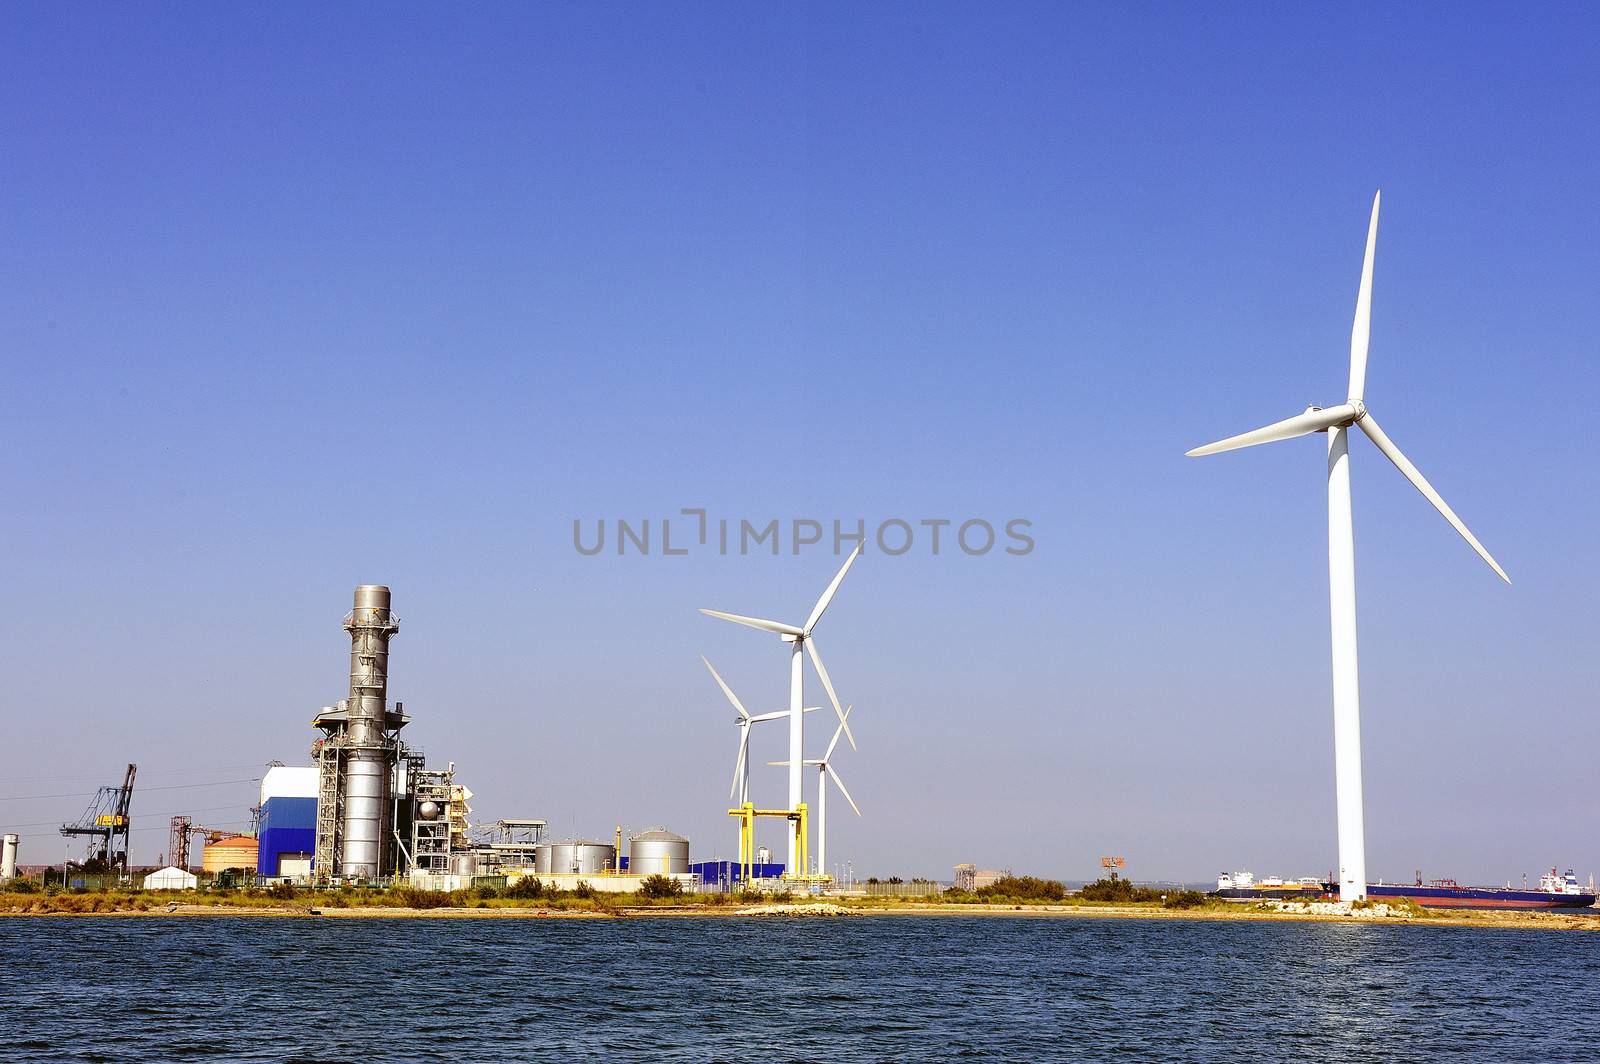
x=370, y=754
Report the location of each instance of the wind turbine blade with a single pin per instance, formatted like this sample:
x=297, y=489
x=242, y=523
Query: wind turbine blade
x=1287, y=429
x=827, y=685
x=1361, y=328
x=738, y=766
x=1401, y=462
x=777, y=762
x=744, y=714
x=782, y=714
x=827, y=596
x=777, y=627
x=836, y=733
x=839, y=783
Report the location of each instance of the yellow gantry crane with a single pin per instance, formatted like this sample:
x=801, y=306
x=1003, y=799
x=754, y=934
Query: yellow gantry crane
x=747, y=815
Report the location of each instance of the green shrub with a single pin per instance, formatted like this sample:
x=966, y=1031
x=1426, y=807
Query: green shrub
x=583, y=890
x=1184, y=899
x=525, y=889
x=659, y=886
x=415, y=898
x=1118, y=890
x=1026, y=888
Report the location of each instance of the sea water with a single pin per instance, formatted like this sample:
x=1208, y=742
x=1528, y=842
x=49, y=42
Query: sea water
x=892, y=988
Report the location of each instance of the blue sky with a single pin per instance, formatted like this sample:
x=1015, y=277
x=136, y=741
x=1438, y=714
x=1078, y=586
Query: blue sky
x=295, y=299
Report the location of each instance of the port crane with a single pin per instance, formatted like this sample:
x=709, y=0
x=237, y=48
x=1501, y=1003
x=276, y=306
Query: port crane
x=106, y=824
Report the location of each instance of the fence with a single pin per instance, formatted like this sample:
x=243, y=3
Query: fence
x=917, y=888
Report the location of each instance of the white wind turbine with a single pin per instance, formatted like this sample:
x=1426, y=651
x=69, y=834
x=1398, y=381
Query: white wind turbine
x=800, y=637
x=1336, y=422
x=825, y=772
x=740, y=787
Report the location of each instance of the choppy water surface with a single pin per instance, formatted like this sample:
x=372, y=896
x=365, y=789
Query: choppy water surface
x=883, y=988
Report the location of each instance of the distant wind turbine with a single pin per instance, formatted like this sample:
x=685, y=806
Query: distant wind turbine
x=740, y=789
x=1336, y=422
x=800, y=636
x=825, y=772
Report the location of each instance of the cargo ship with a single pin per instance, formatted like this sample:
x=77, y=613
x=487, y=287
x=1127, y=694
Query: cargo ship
x=1242, y=886
x=1555, y=892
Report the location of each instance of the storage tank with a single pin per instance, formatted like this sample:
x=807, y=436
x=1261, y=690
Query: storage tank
x=8, y=858
x=240, y=851
x=657, y=853
x=579, y=856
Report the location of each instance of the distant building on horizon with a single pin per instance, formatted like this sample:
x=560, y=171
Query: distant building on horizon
x=970, y=877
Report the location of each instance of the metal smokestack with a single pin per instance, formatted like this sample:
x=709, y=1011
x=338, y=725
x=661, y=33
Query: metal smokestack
x=370, y=754
x=8, y=858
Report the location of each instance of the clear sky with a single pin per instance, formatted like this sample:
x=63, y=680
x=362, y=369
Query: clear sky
x=294, y=298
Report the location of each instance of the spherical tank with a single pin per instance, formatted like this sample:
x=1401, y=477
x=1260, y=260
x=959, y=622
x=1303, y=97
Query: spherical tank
x=657, y=853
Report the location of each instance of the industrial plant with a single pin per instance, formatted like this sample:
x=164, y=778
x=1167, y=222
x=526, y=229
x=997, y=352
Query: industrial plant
x=370, y=810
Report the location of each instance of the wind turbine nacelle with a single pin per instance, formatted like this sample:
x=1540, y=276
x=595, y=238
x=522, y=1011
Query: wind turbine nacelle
x=1356, y=405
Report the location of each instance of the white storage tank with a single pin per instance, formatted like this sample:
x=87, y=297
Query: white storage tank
x=658, y=852
x=575, y=857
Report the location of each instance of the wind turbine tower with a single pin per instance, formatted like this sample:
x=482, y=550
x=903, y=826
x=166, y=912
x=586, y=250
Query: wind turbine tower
x=1336, y=422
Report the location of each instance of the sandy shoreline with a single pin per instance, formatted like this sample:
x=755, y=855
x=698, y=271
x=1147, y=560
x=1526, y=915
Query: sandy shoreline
x=1485, y=919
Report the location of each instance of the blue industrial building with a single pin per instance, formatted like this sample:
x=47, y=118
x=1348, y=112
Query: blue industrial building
x=713, y=872
x=288, y=819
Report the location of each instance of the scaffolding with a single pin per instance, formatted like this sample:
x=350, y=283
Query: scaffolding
x=512, y=846
x=432, y=845
x=329, y=753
